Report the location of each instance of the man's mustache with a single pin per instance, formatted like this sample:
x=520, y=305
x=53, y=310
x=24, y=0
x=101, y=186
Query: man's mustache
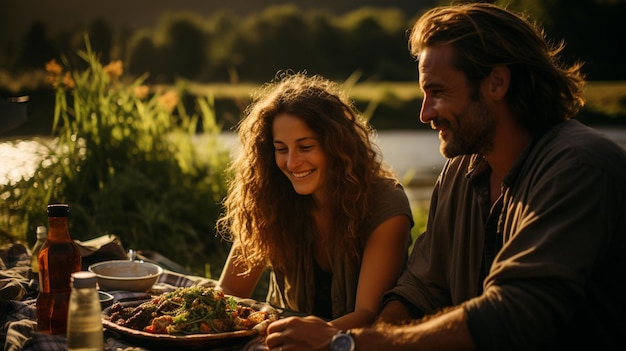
x=439, y=123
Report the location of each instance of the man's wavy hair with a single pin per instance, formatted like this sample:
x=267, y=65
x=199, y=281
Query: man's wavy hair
x=263, y=213
x=543, y=91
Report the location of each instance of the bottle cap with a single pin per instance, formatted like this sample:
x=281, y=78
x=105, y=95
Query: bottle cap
x=58, y=210
x=84, y=279
x=42, y=232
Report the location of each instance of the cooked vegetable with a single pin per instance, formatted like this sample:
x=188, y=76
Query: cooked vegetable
x=194, y=310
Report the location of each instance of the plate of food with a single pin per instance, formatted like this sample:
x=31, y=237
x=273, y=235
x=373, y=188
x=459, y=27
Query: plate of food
x=192, y=317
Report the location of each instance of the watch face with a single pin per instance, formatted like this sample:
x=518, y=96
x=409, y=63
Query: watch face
x=342, y=342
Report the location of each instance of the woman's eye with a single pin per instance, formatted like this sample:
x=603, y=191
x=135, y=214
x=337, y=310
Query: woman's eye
x=280, y=150
x=306, y=147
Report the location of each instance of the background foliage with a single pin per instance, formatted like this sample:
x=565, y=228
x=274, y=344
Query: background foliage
x=128, y=165
x=228, y=47
x=127, y=162
x=228, y=50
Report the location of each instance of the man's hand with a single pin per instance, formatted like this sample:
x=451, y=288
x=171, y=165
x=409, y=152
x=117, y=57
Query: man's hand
x=299, y=333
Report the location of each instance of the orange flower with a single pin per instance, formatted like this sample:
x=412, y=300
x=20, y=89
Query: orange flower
x=68, y=82
x=52, y=80
x=169, y=100
x=54, y=68
x=114, y=69
x=141, y=91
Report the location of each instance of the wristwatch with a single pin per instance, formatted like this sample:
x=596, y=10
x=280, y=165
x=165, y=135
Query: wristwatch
x=342, y=341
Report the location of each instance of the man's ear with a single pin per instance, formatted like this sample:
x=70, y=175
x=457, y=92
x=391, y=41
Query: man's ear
x=498, y=82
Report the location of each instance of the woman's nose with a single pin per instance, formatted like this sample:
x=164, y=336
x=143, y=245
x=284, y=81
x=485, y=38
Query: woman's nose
x=293, y=160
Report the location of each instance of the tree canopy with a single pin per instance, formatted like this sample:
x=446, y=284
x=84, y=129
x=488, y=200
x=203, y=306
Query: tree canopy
x=229, y=47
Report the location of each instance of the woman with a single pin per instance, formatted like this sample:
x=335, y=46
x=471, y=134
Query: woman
x=311, y=200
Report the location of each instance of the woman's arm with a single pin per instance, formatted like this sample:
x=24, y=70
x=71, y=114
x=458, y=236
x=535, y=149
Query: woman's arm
x=233, y=281
x=383, y=261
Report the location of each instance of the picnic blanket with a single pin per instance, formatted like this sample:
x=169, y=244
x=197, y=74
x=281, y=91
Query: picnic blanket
x=18, y=295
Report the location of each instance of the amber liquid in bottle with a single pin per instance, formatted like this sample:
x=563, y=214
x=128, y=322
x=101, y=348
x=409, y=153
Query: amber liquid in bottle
x=58, y=259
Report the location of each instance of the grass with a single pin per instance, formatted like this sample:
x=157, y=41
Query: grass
x=365, y=90
x=395, y=105
x=606, y=96
x=127, y=163
x=609, y=97
x=598, y=93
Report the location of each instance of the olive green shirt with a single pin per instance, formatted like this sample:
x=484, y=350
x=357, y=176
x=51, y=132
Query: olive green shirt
x=558, y=282
x=295, y=289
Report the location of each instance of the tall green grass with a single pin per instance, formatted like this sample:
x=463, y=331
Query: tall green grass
x=126, y=161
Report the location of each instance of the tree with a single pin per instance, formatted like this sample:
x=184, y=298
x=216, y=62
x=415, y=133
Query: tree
x=276, y=39
x=588, y=28
x=328, y=39
x=376, y=41
x=223, y=51
x=183, y=47
x=142, y=55
x=37, y=48
x=101, y=36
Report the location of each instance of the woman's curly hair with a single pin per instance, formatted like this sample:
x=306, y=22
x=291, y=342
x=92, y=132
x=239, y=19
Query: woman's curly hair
x=263, y=213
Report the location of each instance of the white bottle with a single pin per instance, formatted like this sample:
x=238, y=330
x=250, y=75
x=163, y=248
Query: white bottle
x=84, y=323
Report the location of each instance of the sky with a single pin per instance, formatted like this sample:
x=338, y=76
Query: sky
x=16, y=16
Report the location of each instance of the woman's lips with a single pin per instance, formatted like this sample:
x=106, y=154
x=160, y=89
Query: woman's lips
x=301, y=174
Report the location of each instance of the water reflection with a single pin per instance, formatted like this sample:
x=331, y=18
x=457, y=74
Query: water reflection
x=19, y=158
x=414, y=155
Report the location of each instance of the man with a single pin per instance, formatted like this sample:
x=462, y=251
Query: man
x=525, y=247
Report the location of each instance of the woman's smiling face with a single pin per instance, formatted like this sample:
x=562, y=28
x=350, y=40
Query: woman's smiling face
x=299, y=155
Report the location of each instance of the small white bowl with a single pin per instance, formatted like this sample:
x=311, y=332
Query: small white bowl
x=106, y=299
x=126, y=275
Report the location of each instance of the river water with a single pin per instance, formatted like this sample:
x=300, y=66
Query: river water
x=413, y=154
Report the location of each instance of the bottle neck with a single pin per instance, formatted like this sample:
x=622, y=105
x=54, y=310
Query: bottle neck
x=58, y=229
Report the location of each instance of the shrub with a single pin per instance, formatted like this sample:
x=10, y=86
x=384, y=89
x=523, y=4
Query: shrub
x=127, y=161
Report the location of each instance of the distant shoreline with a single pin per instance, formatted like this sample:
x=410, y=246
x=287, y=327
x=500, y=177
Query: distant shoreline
x=414, y=155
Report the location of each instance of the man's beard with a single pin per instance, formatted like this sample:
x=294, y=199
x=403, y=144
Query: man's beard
x=472, y=133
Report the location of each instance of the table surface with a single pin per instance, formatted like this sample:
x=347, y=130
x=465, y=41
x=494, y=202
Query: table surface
x=18, y=326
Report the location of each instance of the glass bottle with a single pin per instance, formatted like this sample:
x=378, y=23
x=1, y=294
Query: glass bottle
x=58, y=259
x=84, y=323
x=42, y=234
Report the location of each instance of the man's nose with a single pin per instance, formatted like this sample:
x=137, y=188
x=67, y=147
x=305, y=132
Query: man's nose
x=427, y=112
